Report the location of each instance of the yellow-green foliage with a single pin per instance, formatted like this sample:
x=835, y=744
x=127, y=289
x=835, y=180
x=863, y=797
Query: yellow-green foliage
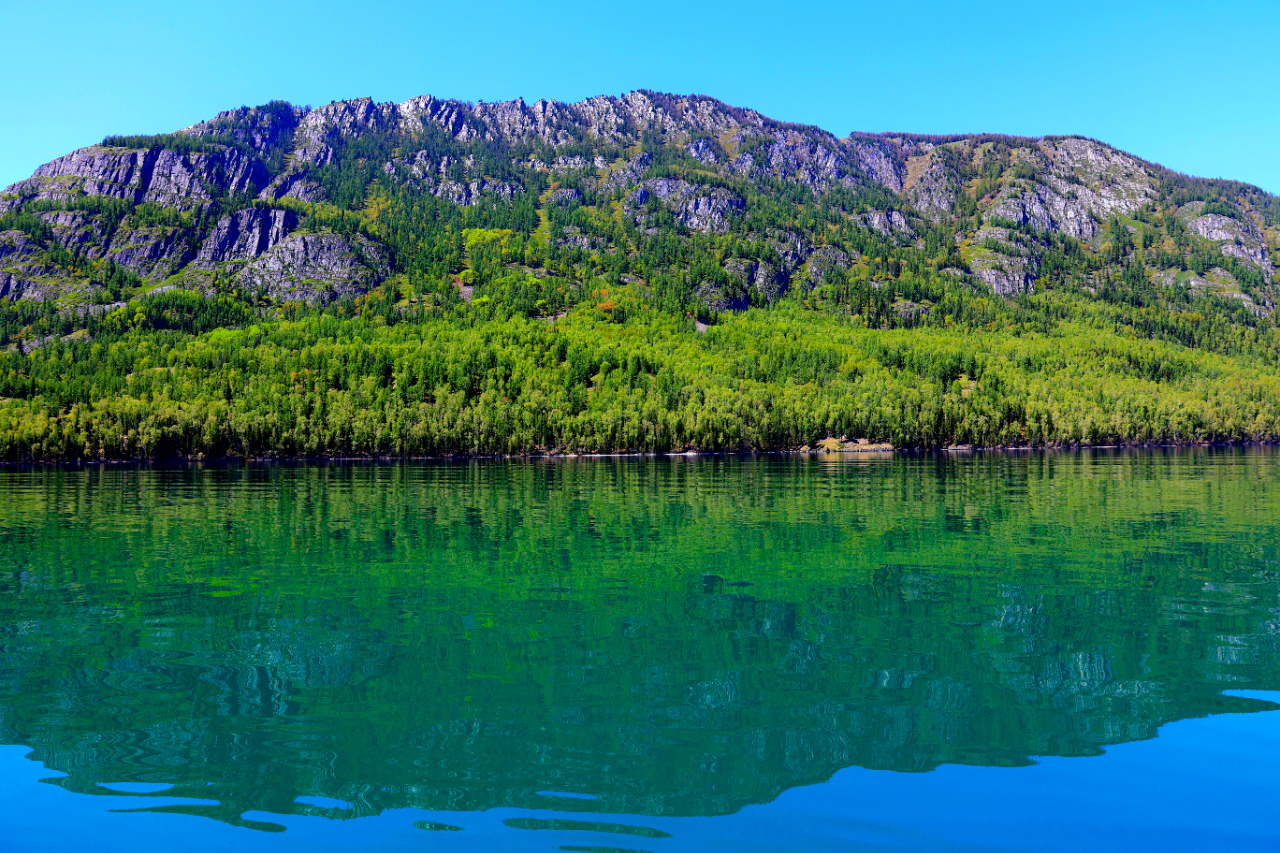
x=326, y=385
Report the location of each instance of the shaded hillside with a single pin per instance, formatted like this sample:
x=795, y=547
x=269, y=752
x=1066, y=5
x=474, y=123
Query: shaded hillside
x=646, y=216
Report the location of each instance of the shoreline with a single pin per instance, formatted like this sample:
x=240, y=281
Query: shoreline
x=863, y=450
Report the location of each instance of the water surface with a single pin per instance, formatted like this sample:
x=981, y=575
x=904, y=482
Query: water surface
x=1005, y=652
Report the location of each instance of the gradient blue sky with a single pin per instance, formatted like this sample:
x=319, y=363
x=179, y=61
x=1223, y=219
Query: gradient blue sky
x=1195, y=86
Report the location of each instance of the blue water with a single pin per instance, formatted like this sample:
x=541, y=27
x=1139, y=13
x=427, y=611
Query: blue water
x=1005, y=653
x=1207, y=784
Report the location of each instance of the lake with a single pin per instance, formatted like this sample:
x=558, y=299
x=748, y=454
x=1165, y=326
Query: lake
x=1040, y=652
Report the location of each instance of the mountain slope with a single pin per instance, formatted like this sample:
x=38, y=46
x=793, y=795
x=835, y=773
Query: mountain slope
x=631, y=213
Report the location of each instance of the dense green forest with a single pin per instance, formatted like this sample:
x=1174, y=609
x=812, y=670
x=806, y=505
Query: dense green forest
x=663, y=288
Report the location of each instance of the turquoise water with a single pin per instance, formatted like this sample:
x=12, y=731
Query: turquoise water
x=1003, y=652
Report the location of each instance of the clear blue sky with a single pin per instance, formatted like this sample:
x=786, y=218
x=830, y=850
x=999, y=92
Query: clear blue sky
x=1195, y=86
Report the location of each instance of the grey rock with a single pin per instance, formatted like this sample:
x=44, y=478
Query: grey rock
x=295, y=185
x=933, y=191
x=78, y=230
x=20, y=267
x=876, y=159
x=695, y=207
x=1236, y=238
x=168, y=178
x=702, y=151
x=1080, y=183
x=1005, y=263
x=246, y=234
x=792, y=249
x=825, y=261
x=151, y=253
x=566, y=197
x=716, y=297
x=887, y=222
x=575, y=239
x=466, y=195
x=759, y=276
x=257, y=128
x=628, y=174
x=316, y=267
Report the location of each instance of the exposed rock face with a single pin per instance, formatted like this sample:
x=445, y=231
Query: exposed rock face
x=696, y=208
x=168, y=178
x=630, y=172
x=887, y=222
x=152, y=252
x=702, y=151
x=724, y=156
x=717, y=297
x=1235, y=238
x=825, y=261
x=791, y=248
x=466, y=195
x=258, y=128
x=1223, y=284
x=877, y=161
x=78, y=230
x=18, y=264
x=566, y=196
x=1084, y=183
x=761, y=278
x=933, y=187
x=293, y=185
x=574, y=238
x=317, y=267
x=1006, y=265
x=246, y=234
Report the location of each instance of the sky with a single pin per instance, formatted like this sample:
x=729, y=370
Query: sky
x=1193, y=86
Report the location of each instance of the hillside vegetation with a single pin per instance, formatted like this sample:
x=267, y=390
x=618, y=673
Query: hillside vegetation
x=647, y=273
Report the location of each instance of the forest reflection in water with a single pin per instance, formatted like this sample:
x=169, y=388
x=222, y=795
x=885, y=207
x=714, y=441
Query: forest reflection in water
x=648, y=637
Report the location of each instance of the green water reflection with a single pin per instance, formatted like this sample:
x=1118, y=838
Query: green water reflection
x=669, y=637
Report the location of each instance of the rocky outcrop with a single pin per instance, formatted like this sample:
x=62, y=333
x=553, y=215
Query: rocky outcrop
x=150, y=253
x=628, y=174
x=696, y=208
x=565, y=197
x=1082, y=183
x=718, y=297
x=246, y=234
x=168, y=178
x=295, y=185
x=887, y=222
x=316, y=268
x=78, y=230
x=759, y=277
x=261, y=129
x=573, y=237
x=1236, y=238
x=1004, y=262
x=702, y=151
x=876, y=159
x=466, y=195
x=932, y=186
x=791, y=248
x=19, y=267
x=322, y=130
x=825, y=262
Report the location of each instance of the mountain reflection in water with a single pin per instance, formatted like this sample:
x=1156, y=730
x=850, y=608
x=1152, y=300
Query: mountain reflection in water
x=643, y=637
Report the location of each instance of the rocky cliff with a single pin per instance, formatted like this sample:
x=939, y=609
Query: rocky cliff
x=313, y=204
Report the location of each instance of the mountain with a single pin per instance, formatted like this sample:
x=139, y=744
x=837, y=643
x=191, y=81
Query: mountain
x=669, y=214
